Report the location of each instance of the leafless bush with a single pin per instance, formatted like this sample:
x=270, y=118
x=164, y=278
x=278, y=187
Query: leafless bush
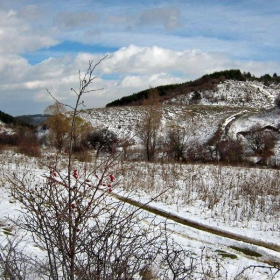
x=177, y=143
x=261, y=141
x=9, y=139
x=178, y=263
x=25, y=147
x=28, y=142
x=272, y=271
x=16, y=264
x=230, y=151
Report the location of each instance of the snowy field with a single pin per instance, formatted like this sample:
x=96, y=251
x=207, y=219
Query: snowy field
x=242, y=201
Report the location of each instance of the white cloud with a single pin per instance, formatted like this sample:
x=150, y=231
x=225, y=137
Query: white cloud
x=150, y=60
x=71, y=20
x=17, y=35
x=135, y=83
x=166, y=16
x=31, y=12
x=12, y=67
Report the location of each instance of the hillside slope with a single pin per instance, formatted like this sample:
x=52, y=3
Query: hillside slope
x=202, y=121
x=209, y=82
x=253, y=94
x=228, y=111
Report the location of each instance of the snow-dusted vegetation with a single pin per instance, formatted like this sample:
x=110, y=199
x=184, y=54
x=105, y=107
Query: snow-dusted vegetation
x=253, y=94
x=241, y=201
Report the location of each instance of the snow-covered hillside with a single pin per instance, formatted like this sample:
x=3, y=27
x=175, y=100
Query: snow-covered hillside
x=233, y=107
x=202, y=121
x=253, y=94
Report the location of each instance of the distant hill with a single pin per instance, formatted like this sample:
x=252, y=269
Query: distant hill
x=205, y=83
x=8, y=119
x=33, y=119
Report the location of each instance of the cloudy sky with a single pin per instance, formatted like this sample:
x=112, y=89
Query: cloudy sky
x=44, y=44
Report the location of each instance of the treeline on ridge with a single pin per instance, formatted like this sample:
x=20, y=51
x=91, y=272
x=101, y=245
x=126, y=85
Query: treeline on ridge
x=206, y=82
x=8, y=119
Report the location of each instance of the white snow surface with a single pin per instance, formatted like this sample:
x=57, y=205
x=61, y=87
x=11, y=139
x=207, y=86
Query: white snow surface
x=191, y=189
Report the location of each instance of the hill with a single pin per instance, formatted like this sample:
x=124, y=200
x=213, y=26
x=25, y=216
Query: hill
x=239, y=110
x=207, y=82
x=33, y=119
x=8, y=119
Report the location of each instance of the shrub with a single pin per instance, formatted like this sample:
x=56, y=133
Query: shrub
x=29, y=145
x=195, y=98
x=29, y=150
x=230, y=151
x=102, y=140
x=9, y=139
x=277, y=100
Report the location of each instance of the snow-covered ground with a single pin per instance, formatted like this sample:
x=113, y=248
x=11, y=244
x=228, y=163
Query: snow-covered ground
x=237, y=200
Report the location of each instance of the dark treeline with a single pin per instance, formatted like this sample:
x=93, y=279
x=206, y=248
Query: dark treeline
x=137, y=98
x=8, y=119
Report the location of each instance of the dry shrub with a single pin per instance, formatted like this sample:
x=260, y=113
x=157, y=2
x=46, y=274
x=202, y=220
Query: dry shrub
x=147, y=274
x=83, y=156
x=2, y=148
x=32, y=151
x=9, y=139
x=29, y=147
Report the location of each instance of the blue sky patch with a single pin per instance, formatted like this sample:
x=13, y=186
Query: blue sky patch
x=67, y=47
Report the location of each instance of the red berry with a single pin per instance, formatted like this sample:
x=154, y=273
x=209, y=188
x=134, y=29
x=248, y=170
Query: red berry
x=112, y=178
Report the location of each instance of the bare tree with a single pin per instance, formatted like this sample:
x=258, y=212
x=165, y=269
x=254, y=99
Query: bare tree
x=149, y=128
x=177, y=142
x=58, y=124
x=261, y=141
x=230, y=150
